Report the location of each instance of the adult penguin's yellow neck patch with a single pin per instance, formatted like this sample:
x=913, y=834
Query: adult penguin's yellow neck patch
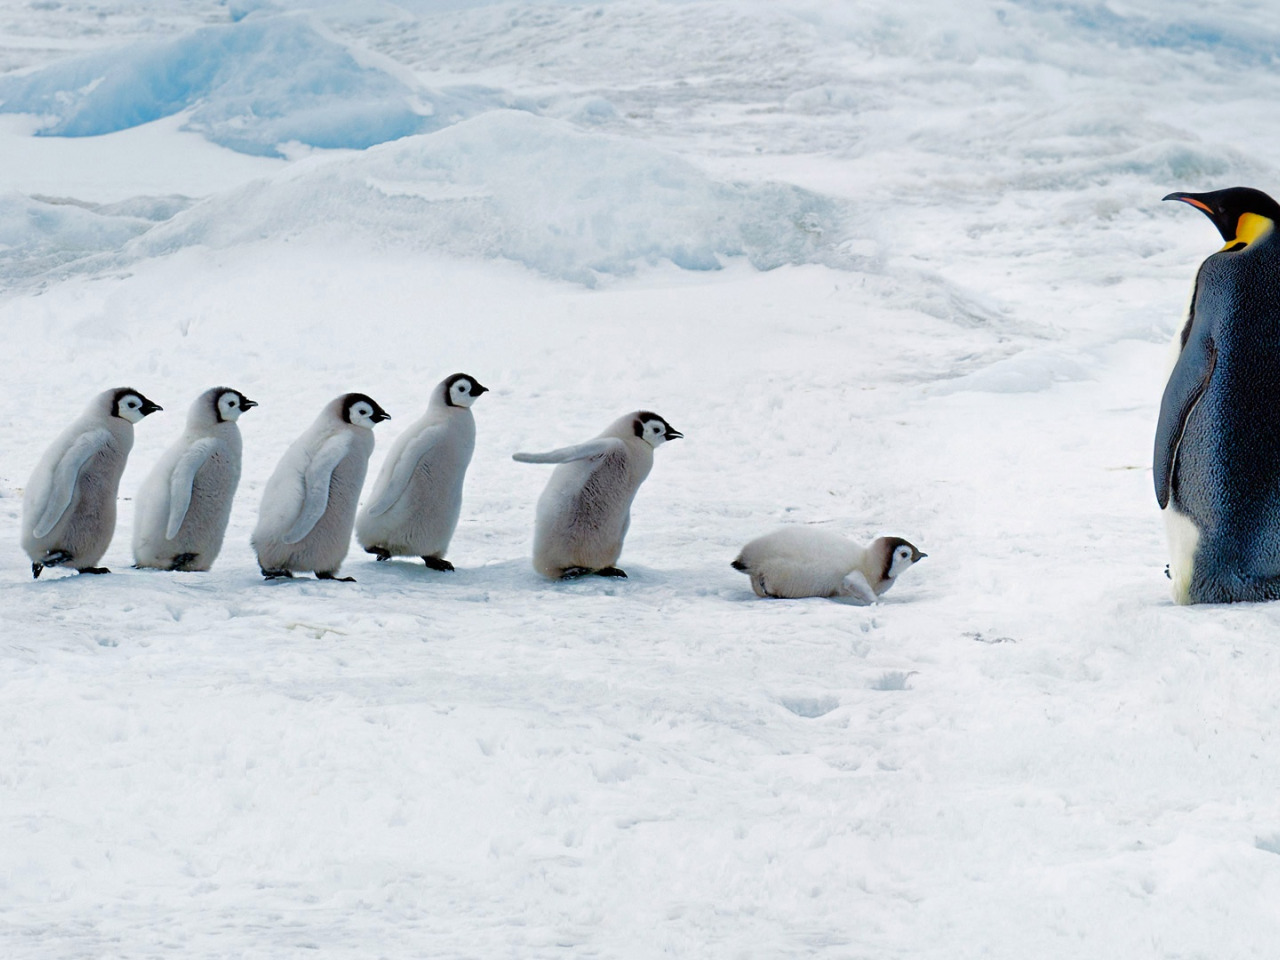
x=1250, y=227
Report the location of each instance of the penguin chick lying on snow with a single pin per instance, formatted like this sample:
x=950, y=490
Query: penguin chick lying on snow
x=802, y=562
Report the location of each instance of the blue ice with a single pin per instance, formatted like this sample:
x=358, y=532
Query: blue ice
x=250, y=85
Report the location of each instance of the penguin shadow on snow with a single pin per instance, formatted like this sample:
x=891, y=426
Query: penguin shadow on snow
x=508, y=577
x=514, y=577
x=410, y=572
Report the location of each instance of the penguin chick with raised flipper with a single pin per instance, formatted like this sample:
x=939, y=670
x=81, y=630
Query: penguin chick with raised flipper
x=584, y=512
x=69, y=508
x=309, y=504
x=185, y=503
x=417, y=497
x=1216, y=463
x=796, y=562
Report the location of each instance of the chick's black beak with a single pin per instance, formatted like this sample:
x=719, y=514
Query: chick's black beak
x=920, y=557
x=149, y=408
x=477, y=389
x=246, y=403
x=379, y=416
x=672, y=434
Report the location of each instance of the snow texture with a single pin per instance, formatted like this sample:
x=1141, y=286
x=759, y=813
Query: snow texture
x=945, y=294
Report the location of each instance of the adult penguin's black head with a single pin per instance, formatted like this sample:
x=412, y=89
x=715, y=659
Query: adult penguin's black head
x=1241, y=214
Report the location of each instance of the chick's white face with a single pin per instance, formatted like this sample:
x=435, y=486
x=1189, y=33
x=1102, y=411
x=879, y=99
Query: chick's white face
x=655, y=431
x=229, y=407
x=362, y=414
x=901, y=561
x=460, y=393
x=131, y=407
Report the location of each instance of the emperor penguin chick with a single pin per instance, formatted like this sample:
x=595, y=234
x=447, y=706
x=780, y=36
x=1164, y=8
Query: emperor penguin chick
x=418, y=495
x=584, y=512
x=185, y=502
x=309, y=504
x=1217, y=476
x=69, y=508
x=798, y=562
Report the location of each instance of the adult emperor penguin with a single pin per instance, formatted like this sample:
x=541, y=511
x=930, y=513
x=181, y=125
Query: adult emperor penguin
x=584, y=512
x=418, y=495
x=69, y=508
x=185, y=502
x=798, y=562
x=309, y=504
x=1217, y=447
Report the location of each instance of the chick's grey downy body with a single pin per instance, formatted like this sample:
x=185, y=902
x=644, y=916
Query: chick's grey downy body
x=69, y=507
x=585, y=511
x=309, y=504
x=417, y=498
x=185, y=503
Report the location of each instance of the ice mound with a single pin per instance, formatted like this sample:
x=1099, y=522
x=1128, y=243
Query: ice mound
x=39, y=235
x=251, y=85
x=509, y=184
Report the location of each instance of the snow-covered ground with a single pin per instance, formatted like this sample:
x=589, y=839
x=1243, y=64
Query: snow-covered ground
x=891, y=269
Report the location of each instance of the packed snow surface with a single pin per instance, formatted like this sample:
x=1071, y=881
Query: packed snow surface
x=890, y=269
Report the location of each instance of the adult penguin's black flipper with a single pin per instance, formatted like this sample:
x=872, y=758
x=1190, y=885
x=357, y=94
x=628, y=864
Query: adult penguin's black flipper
x=1187, y=384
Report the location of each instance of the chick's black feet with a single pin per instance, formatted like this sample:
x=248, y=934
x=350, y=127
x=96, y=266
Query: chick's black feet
x=331, y=576
x=610, y=572
x=54, y=558
x=94, y=570
x=573, y=573
x=436, y=563
x=183, y=561
x=276, y=574
x=379, y=553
